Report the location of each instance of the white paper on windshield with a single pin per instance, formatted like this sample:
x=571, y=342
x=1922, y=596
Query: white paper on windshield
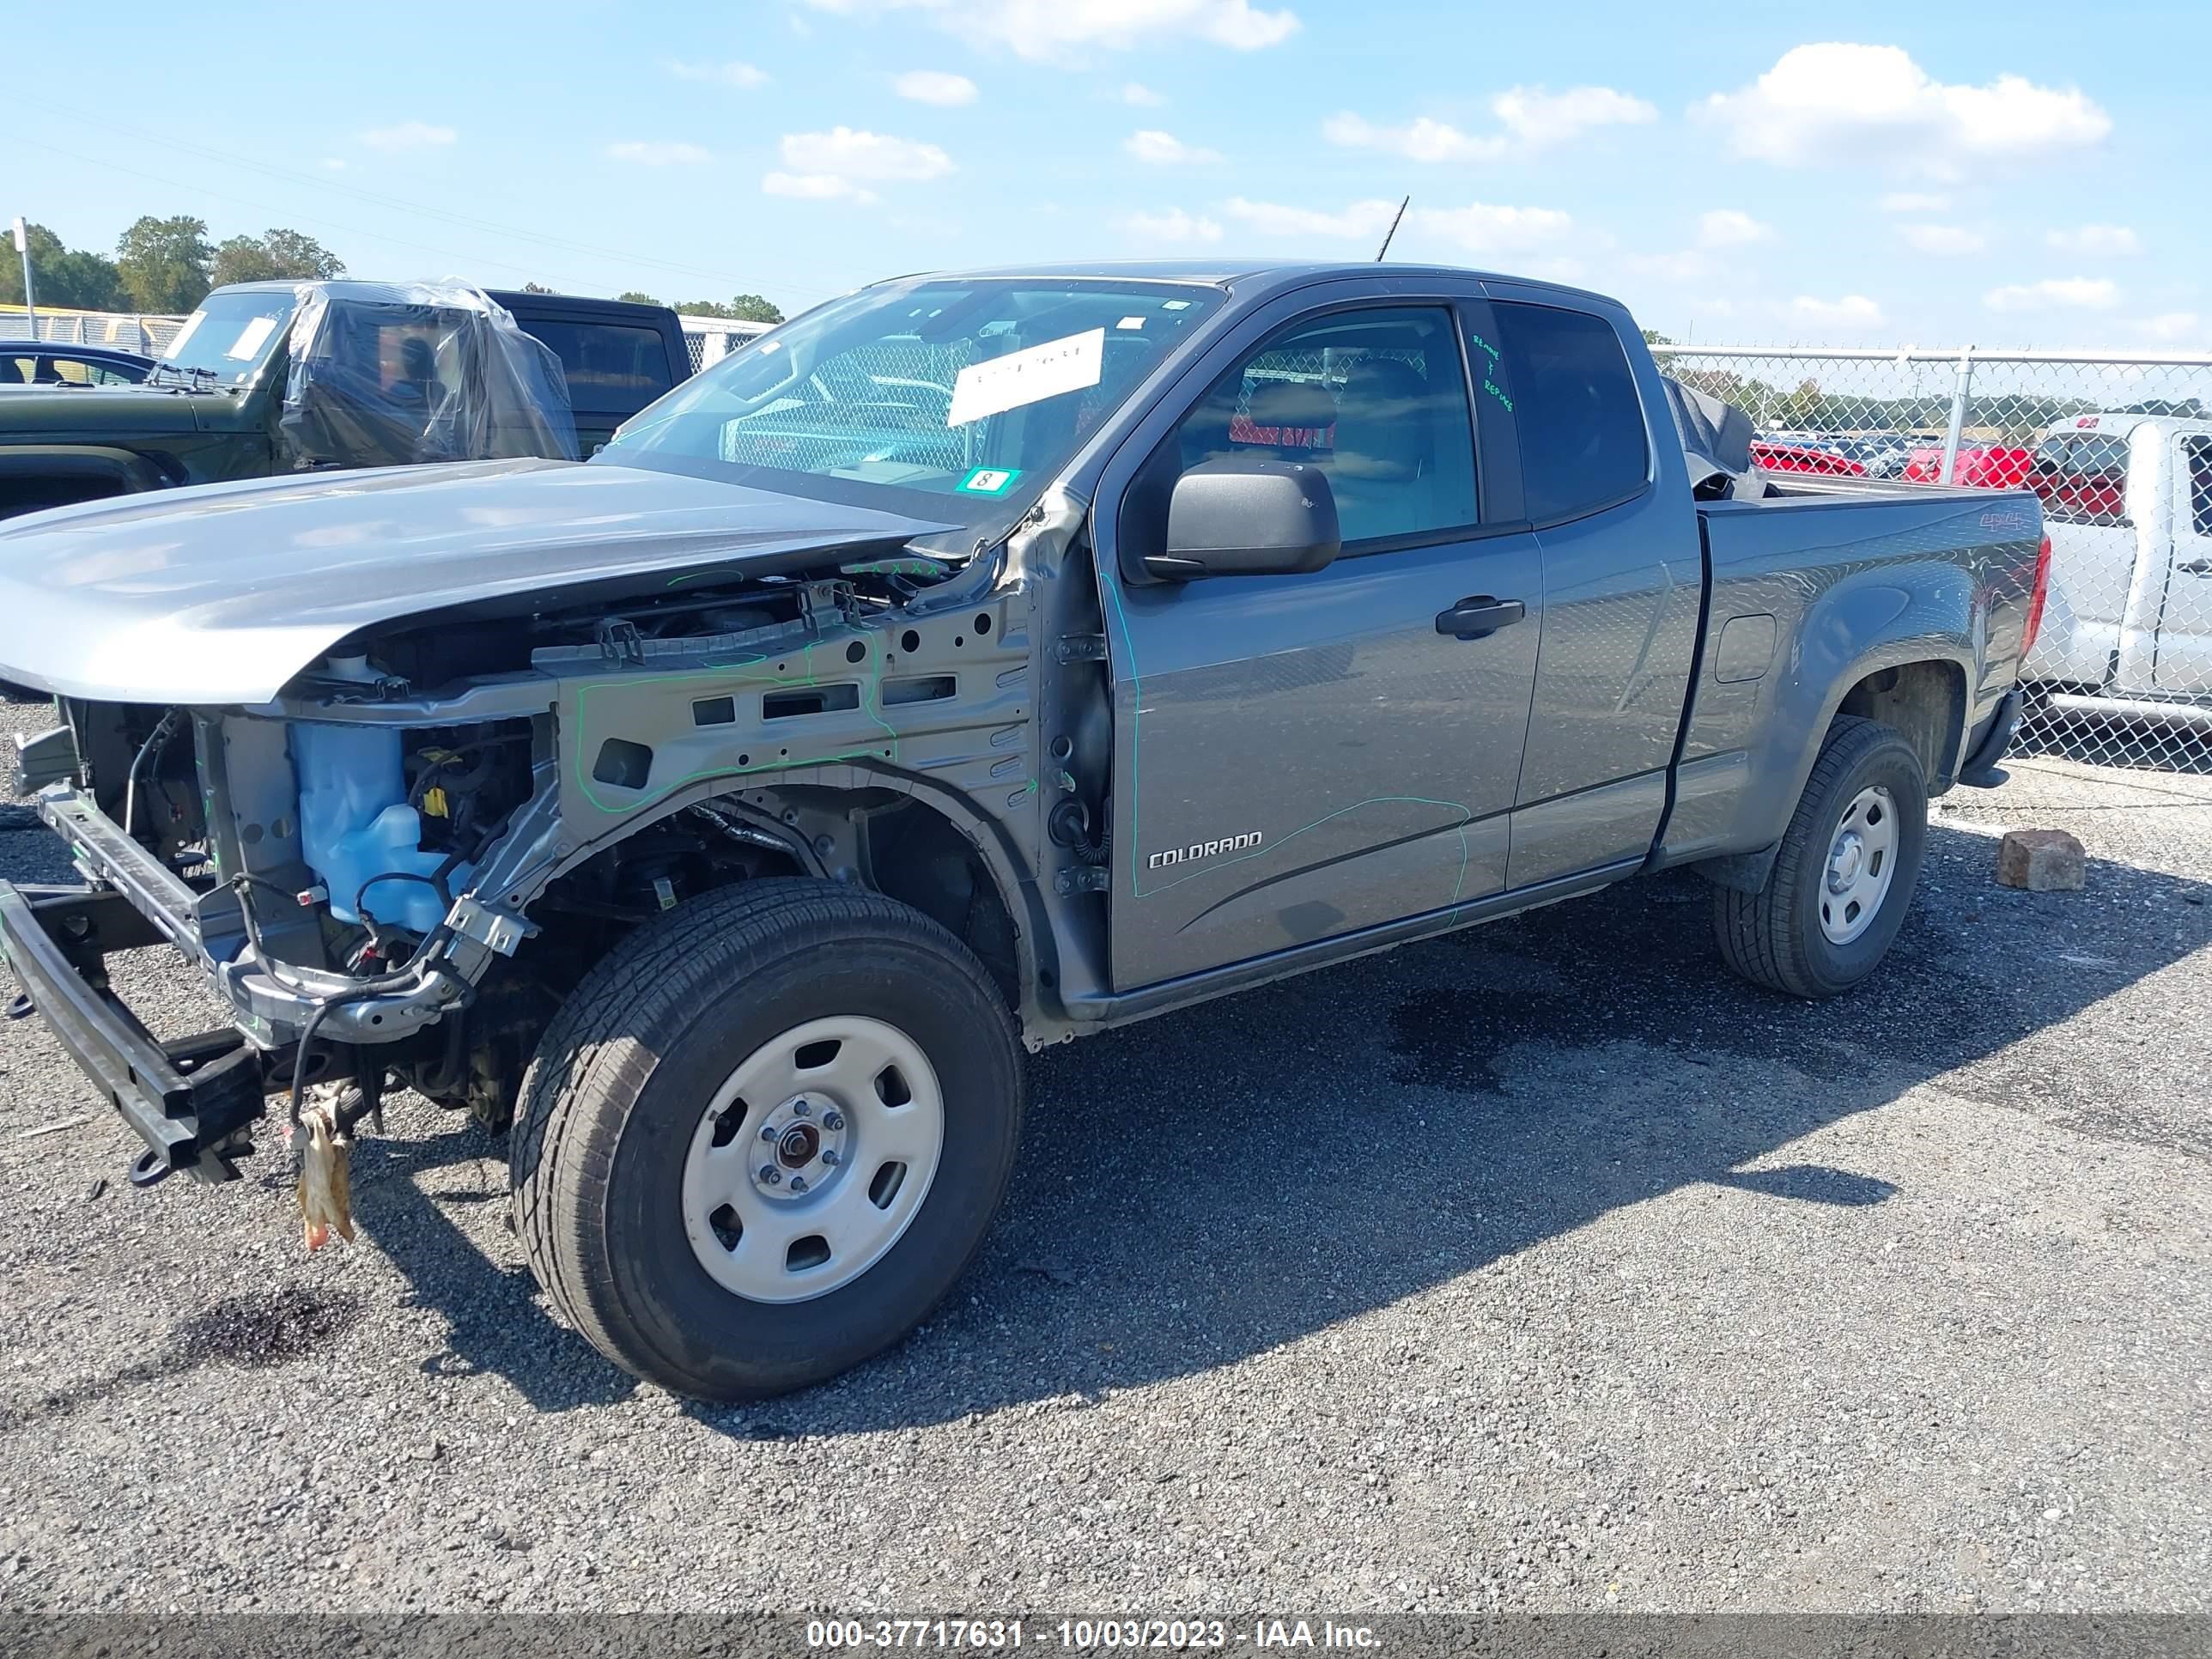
x=1028, y=376
x=251, y=337
x=177, y=340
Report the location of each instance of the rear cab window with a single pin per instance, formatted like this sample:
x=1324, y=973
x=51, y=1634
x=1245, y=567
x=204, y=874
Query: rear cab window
x=1584, y=444
x=608, y=365
x=2082, y=478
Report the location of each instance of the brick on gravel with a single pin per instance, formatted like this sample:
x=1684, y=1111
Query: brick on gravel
x=2041, y=861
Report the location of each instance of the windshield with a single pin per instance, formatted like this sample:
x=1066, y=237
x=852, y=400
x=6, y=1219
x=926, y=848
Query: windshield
x=231, y=335
x=965, y=395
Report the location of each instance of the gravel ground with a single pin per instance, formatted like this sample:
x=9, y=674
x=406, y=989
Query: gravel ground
x=1541, y=1268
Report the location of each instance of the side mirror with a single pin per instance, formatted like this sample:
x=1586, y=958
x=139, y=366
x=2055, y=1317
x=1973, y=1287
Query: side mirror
x=1248, y=518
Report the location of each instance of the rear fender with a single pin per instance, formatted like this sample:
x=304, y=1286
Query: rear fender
x=1868, y=622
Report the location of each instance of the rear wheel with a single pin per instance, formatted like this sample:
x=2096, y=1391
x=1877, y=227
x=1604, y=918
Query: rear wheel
x=1845, y=873
x=765, y=1136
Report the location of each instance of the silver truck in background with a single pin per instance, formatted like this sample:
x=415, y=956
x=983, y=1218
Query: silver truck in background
x=2128, y=631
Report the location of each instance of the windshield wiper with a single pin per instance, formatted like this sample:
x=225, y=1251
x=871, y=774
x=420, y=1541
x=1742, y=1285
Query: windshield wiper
x=192, y=380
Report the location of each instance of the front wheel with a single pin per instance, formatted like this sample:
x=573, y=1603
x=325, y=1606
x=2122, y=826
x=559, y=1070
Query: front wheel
x=765, y=1136
x=1844, y=876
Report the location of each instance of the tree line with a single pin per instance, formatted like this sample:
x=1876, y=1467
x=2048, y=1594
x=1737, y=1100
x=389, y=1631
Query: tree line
x=164, y=265
x=744, y=308
x=167, y=266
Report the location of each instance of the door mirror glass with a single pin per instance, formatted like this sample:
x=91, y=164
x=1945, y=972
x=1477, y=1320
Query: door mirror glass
x=1245, y=516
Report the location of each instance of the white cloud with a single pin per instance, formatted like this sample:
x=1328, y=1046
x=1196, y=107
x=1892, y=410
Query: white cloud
x=1717, y=228
x=875, y=157
x=1730, y=227
x=1913, y=201
x=2105, y=239
x=731, y=73
x=1556, y=270
x=935, y=87
x=840, y=165
x=1361, y=219
x=815, y=187
x=333, y=164
x=1533, y=118
x=2074, y=293
x=657, y=154
x=1421, y=140
x=409, y=135
x=1686, y=267
x=1057, y=29
x=1944, y=239
x=1140, y=96
x=1853, y=311
x=1850, y=103
x=2172, y=325
x=1172, y=225
x=1540, y=120
x=1480, y=228
x=1165, y=150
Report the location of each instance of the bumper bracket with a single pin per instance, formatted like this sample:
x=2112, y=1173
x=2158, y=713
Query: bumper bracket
x=188, y=1100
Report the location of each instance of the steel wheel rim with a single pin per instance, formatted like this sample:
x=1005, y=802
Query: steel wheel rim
x=1861, y=865
x=812, y=1159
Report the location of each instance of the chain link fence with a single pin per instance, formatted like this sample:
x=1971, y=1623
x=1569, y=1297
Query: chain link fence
x=125, y=331
x=2120, y=450
x=713, y=339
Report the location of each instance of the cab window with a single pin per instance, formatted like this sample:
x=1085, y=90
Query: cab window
x=1376, y=398
x=1583, y=448
x=608, y=364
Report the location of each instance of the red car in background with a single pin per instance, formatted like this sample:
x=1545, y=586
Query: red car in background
x=1980, y=466
x=1803, y=458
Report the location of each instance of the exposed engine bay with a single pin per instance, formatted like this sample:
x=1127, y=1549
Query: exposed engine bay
x=395, y=870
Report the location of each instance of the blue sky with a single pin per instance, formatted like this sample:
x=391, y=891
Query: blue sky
x=2036, y=173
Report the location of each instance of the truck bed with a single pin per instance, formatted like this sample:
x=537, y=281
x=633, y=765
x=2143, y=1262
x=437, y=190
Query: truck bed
x=1793, y=578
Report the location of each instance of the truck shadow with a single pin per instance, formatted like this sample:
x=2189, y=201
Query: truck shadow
x=1215, y=1183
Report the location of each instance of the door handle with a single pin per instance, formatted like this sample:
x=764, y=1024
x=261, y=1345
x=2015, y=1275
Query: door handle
x=2196, y=567
x=1473, y=618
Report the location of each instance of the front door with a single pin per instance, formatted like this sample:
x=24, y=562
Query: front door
x=1301, y=757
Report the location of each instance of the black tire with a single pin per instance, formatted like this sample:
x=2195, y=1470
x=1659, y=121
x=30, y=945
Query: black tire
x=1773, y=938
x=619, y=1084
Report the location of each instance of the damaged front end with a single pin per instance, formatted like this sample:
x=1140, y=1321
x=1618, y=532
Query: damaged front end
x=394, y=872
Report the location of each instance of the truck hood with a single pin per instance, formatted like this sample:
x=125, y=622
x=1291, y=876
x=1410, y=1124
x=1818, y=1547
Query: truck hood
x=221, y=594
x=35, y=414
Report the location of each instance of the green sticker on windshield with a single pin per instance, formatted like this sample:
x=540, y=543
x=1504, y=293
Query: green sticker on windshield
x=990, y=480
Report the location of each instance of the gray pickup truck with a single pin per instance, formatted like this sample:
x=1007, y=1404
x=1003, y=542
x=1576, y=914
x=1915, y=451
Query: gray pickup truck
x=977, y=662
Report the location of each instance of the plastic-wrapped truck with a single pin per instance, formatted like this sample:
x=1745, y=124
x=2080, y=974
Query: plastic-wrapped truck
x=268, y=378
x=972, y=664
